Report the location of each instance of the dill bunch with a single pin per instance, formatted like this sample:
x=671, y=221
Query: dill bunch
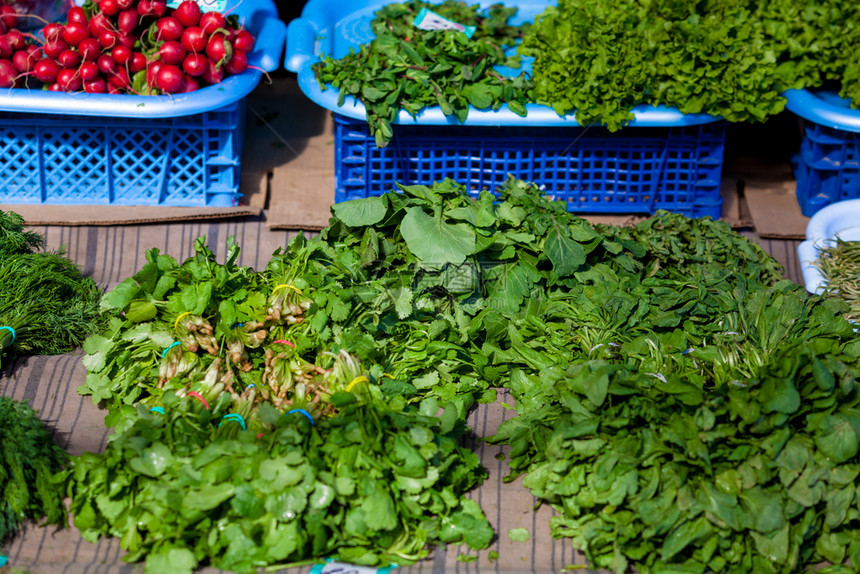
x=30, y=459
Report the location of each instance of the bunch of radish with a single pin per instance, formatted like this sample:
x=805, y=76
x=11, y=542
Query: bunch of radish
x=129, y=46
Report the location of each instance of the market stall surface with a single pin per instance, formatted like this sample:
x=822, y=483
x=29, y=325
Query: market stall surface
x=109, y=255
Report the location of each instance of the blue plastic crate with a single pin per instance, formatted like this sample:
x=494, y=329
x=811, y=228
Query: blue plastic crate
x=83, y=160
x=827, y=168
x=99, y=149
x=635, y=170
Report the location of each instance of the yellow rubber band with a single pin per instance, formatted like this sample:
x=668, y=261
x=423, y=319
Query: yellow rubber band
x=285, y=286
x=387, y=375
x=178, y=319
x=355, y=381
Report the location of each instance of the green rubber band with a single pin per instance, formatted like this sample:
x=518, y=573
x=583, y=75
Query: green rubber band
x=11, y=330
x=233, y=417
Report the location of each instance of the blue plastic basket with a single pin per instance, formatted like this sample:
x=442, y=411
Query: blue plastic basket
x=664, y=160
x=636, y=170
x=99, y=149
x=827, y=168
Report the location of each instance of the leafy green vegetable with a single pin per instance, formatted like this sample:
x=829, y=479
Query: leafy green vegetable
x=519, y=534
x=408, y=68
x=30, y=460
x=371, y=484
x=727, y=58
x=46, y=305
x=14, y=239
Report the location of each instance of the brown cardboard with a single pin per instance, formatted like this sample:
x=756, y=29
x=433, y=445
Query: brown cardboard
x=120, y=214
x=769, y=190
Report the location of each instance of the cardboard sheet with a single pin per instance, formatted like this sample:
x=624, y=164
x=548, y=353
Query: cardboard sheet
x=768, y=188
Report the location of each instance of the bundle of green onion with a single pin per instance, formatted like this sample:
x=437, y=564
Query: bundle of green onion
x=46, y=305
x=839, y=263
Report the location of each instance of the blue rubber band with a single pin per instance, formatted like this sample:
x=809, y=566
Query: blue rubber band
x=3, y=560
x=304, y=412
x=237, y=325
x=11, y=330
x=249, y=386
x=158, y=410
x=168, y=348
x=233, y=417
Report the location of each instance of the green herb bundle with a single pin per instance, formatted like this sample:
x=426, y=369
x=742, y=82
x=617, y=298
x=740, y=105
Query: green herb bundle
x=374, y=483
x=408, y=68
x=839, y=263
x=46, y=305
x=30, y=459
x=228, y=353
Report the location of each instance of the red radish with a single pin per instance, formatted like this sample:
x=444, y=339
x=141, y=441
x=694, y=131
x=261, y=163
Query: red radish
x=69, y=59
x=138, y=62
x=9, y=16
x=76, y=14
x=127, y=21
x=244, y=41
x=55, y=87
x=214, y=74
x=172, y=53
x=107, y=40
x=152, y=72
x=69, y=80
x=237, y=64
x=170, y=79
x=168, y=28
x=90, y=49
x=46, y=70
x=16, y=39
x=52, y=31
x=121, y=55
x=191, y=84
x=124, y=4
x=119, y=78
x=158, y=7
x=127, y=41
x=97, y=86
x=111, y=89
x=5, y=48
x=194, y=39
x=89, y=71
x=188, y=13
x=106, y=64
x=54, y=49
x=218, y=48
x=211, y=21
x=8, y=73
x=108, y=8
x=24, y=60
x=75, y=33
x=100, y=23
x=144, y=7
x=195, y=65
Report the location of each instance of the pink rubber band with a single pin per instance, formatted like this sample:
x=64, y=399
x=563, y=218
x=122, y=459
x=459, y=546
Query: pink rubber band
x=283, y=342
x=260, y=435
x=196, y=395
